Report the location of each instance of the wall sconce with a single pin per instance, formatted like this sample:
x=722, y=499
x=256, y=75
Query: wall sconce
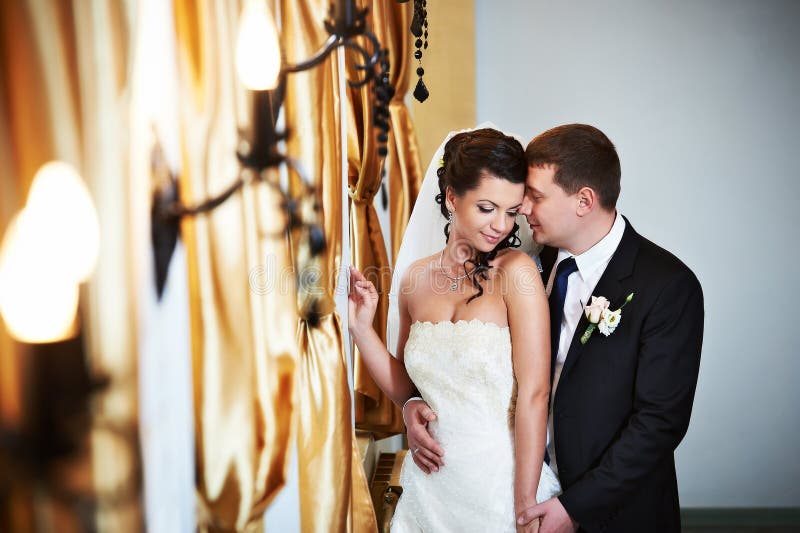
x=261, y=69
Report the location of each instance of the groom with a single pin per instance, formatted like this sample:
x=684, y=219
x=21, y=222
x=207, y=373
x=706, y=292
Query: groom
x=621, y=394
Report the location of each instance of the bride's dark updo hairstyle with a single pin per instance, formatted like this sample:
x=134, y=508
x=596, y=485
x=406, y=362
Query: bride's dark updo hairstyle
x=468, y=157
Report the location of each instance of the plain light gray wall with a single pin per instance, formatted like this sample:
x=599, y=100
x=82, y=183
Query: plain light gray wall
x=702, y=100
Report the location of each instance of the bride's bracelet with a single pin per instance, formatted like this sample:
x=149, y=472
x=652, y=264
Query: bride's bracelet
x=413, y=398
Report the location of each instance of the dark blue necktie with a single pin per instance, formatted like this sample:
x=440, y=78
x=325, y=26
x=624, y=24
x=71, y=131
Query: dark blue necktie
x=557, y=296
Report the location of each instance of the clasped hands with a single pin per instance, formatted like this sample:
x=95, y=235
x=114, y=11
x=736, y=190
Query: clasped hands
x=551, y=517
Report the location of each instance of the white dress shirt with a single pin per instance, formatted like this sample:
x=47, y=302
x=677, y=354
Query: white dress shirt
x=581, y=283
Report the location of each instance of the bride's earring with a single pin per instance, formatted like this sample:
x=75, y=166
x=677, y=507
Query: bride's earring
x=450, y=218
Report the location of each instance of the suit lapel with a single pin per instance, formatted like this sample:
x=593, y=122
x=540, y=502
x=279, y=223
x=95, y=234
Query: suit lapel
x=620, y=267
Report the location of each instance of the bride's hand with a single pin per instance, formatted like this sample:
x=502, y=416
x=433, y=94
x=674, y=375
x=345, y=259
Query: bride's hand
x=362, y=302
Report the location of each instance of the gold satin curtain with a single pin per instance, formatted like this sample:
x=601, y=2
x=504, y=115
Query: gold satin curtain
x=374, y=411
x=312, y=113
x=63, y=89
x=258, y=366
x=242, y=298
x=334, y=495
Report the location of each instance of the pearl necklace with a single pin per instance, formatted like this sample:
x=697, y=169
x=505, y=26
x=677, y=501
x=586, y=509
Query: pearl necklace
x=454, y=280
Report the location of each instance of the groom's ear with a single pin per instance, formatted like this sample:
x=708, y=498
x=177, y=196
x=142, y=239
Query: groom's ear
x=587, y=201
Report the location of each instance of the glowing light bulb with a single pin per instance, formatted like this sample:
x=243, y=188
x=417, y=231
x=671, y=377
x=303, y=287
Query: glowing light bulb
x=38, y=300
x=49, y=248
x=258, y=51
x=61, y=209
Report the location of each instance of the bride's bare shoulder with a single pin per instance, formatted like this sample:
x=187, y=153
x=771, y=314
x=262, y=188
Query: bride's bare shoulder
x=510, y=258
x=417, y=272
x=518, y=266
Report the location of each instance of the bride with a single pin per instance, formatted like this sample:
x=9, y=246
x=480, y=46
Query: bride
x=459, y=310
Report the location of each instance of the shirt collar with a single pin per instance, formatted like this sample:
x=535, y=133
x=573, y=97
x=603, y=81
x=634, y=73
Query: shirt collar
x=599, y=254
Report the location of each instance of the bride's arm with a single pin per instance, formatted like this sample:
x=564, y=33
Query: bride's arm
x=528, y=319
x=388, y=372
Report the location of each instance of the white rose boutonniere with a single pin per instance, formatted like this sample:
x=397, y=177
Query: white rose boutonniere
x=601, y=317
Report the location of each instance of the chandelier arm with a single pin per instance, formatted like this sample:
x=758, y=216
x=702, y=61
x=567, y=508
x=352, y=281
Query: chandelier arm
x=332, y=42
x=177, y=209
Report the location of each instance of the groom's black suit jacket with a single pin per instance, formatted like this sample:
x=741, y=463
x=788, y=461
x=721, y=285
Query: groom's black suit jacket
x=623, y=402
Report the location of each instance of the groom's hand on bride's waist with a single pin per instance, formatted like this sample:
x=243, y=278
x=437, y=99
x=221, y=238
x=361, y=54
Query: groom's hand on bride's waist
x=427, y=453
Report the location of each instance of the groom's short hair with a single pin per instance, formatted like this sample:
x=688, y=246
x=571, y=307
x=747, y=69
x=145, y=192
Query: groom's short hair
x=583, y=157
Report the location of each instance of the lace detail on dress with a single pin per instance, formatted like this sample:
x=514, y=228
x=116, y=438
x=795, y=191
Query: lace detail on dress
x=464, y=371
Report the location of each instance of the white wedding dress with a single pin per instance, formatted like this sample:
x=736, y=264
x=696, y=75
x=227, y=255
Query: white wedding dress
x=464, y=371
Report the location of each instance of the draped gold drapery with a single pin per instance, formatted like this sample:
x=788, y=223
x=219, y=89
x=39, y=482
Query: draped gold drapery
x=246, y=336
x=333, y=490
x=374, y=411
x=242, y=298
x=64, y=94
x=334, y=495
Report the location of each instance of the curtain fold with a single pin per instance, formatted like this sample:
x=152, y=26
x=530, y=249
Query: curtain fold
x=101, y=62
x=334, y=495
x=374, y=411
x=242, y=299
